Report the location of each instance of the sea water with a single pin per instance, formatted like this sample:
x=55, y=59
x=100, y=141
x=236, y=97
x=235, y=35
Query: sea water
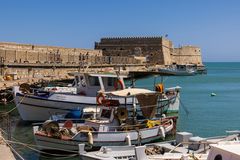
x=207, y=115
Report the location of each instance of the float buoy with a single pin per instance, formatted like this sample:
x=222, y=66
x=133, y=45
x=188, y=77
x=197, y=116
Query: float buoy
x=213, y=94
x=90, y=138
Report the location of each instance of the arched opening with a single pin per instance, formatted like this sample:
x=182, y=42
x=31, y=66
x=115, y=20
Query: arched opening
x=218, y=157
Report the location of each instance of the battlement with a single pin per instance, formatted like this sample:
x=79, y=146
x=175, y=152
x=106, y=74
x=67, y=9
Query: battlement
x=129, y=38
x=158, y=49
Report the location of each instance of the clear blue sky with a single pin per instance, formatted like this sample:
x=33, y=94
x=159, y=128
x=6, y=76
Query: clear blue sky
x=213, y=25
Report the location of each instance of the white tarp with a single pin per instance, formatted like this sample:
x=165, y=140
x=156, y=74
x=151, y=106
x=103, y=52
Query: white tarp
x=130, y=92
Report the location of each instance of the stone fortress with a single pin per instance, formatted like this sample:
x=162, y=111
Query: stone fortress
x=27, y=60
x=157, y=50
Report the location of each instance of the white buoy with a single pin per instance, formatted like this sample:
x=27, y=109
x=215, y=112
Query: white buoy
x=213, y=94
x=162, y=131
x=164, y=115
x=90, y=138
x=128, y=140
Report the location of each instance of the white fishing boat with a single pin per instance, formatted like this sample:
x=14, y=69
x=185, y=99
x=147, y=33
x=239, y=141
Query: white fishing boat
x=114, y=126
x=179, y=70
x=212, y=148
x=86, y=90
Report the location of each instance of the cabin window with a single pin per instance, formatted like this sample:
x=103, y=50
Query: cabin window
x=77, y=80
x=83, y=82
x=110, y=81
x=218, y=157
x=106, y=113
x=93, y=81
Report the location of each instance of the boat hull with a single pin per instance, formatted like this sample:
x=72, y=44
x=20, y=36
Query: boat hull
x=110, y=138
x=40, y=108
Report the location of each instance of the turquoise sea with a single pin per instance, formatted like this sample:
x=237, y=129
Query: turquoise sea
x=208, y=116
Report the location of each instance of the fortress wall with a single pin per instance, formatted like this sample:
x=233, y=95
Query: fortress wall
x=133, y=46
x=20, y=53
x=158, y=50
x=187, y=55
x=166, y=47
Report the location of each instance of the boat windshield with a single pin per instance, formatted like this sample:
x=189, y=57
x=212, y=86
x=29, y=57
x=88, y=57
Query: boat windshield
x=93, y=81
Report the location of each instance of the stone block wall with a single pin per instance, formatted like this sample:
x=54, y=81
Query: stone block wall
x=187, y=55
x=150, y=47
x=157, y=50
x=27, y=53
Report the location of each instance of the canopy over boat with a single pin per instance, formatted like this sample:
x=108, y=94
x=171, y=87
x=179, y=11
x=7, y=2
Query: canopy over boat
x=130, y=92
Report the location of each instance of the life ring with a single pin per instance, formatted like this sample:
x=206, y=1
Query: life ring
x=100, y=98
x=118, y=85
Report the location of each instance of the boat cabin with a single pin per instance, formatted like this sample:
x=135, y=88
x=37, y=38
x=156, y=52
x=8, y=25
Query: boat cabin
x=90, y=83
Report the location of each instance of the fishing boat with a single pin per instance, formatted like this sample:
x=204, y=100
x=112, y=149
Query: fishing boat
x=87, y=90
x=178, y=70
x=113, y=126
x=212, y=148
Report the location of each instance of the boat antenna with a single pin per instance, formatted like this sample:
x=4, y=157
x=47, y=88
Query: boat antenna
x=118, y=72
x=154, y=81
x=133, y=82
x=162, y=79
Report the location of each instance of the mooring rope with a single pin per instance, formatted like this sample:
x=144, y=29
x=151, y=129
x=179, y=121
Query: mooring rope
x=184, y=107
x=32, y=145
x=16, y=104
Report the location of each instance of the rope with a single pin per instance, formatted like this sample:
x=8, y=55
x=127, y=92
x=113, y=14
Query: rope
x=30, y=146
x=16, y=105
x=184, y=108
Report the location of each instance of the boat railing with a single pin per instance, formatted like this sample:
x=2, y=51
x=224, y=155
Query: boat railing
x=141, y=123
